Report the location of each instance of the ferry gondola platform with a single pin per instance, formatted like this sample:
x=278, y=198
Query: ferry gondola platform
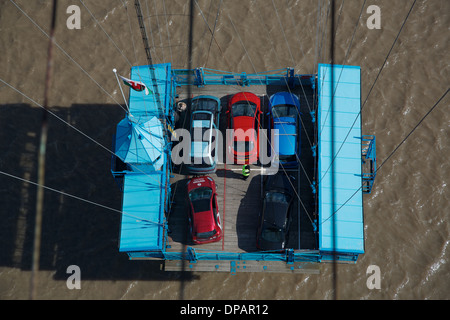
x=157, y=228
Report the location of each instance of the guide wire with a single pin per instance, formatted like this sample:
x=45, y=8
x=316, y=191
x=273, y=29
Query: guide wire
x=66, y=54
x=212, y=35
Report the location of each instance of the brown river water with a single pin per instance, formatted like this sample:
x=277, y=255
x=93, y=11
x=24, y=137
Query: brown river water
x=406, y=217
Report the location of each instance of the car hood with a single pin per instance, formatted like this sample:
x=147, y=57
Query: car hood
x=284, y=98
x=287, y=134
x=245, y=96
x=209, y=107
x=202, y=181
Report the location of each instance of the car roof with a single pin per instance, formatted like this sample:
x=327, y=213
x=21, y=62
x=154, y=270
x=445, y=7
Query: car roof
x=287, y=137
x=275, y=213
x=203, y=221
x=200, y=112
x=287, y=145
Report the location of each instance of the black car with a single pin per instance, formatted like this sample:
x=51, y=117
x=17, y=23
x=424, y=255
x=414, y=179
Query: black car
x=275, y=218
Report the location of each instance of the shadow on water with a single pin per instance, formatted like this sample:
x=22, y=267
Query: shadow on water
x=74, y=232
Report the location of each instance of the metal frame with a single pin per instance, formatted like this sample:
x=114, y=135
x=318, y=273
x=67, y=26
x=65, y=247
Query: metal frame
x=369, y=161
x=201, y=77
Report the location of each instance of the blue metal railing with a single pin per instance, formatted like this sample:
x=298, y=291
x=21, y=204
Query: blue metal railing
x=289, y=256
x=202, y=76
x=369, y=157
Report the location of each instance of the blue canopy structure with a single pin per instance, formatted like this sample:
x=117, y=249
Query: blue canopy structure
x=140, y=143
x=143, y=106
x=345, y=135
x=143, y=214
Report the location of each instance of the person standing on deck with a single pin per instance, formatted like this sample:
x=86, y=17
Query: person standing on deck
x=245, y=171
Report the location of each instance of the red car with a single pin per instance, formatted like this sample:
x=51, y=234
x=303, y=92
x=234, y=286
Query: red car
x=204, y=217
x=244, y=110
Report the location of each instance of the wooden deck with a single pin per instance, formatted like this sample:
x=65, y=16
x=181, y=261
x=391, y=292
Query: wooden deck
x=239, y=200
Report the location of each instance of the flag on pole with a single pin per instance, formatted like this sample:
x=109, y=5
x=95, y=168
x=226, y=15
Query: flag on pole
x=135, y=85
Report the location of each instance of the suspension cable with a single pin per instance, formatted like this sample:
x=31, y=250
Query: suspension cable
x=67, y=55
x=106, y=33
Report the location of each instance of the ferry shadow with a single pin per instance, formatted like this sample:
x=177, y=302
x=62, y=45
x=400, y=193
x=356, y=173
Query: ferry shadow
x=74, y=232
x=178, y=217
x=229, y=174
x=247, y=215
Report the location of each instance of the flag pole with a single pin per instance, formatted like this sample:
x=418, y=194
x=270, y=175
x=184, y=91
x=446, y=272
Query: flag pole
x=115, y=72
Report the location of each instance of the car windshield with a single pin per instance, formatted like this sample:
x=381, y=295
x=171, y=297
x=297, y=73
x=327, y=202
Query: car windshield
x=202, y=116
x=206, y=235
x=205, y=104
x=287, y=157
x=243, y=108
x=277, y=197
x=200, y=193
x=272, y=234
x=284, y=110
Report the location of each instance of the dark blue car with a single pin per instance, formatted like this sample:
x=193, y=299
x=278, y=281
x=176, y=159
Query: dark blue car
x=284, y=113
x=276, y=215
